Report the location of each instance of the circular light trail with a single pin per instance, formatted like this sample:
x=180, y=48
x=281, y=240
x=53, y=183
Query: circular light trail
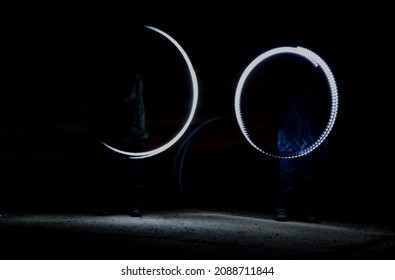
x=317, y=62
x=137, y=155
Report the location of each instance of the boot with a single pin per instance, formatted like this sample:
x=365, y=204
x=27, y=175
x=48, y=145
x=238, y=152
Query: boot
x=281, y=214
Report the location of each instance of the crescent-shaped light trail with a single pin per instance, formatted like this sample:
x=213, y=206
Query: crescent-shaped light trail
x=149, y=153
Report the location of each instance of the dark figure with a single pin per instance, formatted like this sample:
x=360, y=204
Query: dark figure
x=123, y=126
x=299, y=128
x=135, y=138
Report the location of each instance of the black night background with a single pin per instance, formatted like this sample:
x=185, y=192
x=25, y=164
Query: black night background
x=58, y=61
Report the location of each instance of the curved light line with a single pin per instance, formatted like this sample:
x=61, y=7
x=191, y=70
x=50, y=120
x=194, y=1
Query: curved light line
x=316, y=61
x=184, y=148
x=136, y=155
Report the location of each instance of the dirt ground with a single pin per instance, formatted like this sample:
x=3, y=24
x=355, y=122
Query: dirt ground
x=188, y=234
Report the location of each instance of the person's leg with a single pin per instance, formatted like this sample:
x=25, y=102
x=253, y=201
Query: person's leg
x=311, y=192
x=303, y=189
x=294, y=189
x=108, y=187
x=136, y=181
x=286, y=173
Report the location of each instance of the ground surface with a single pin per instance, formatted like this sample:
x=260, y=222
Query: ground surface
x=188, y=234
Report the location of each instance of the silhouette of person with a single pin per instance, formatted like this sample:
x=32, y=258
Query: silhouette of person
x=135, y=138
x=126, y=128
x=299, y=128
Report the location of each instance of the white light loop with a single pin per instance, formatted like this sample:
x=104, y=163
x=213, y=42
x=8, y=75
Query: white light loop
x=145, y=154
x=317, y=62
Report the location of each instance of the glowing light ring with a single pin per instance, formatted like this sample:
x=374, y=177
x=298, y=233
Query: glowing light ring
x=136, y=155
x=317, y=62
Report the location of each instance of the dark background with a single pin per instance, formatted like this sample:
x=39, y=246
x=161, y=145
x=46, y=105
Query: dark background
x=58, y=60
